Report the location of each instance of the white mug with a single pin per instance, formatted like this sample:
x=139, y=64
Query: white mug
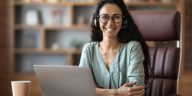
x=21, y=88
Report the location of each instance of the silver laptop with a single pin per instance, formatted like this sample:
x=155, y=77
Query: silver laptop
x=58, y=80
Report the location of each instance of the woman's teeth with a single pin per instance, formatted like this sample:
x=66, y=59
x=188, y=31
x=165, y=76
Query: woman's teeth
x=110, y=30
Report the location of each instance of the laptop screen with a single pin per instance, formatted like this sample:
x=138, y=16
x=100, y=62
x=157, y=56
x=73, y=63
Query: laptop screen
x=58, y=80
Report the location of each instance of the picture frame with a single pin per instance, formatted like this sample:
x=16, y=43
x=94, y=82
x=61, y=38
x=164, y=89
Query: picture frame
x=31, y=17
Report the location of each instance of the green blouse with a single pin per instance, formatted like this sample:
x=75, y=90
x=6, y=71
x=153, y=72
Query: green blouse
x=127, y=66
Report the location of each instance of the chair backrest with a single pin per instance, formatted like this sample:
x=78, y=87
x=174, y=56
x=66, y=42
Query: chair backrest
x=161, y=26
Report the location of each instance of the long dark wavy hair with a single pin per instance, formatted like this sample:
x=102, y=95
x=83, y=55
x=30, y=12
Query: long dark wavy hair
x=128, y=32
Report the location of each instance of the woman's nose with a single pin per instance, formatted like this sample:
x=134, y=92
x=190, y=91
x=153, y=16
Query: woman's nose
x=110, y=22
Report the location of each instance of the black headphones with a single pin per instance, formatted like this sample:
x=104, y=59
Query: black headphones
x=96, y=22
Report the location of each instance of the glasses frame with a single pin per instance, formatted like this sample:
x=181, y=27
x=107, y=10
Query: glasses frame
x=112, y=17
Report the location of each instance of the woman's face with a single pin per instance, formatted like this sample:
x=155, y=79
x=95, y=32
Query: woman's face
x=110, y=20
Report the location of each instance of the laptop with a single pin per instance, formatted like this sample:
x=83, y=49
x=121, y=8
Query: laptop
x=58, y=80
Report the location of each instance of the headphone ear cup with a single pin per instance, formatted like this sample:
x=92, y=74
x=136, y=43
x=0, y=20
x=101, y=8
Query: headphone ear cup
x=124, y=24
x=95, y=22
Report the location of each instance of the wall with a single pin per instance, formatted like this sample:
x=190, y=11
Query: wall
x=4, y=49
x=188, y=22
x=186, y=84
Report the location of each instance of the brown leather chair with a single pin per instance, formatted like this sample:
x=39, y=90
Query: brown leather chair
x=161, y=26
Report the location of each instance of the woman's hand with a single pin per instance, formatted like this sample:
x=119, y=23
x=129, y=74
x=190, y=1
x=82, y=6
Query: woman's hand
x=127, y=90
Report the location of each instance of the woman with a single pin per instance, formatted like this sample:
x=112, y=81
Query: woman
x=117, y=55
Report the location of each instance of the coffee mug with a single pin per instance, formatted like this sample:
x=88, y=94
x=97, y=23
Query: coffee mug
x=21, y=88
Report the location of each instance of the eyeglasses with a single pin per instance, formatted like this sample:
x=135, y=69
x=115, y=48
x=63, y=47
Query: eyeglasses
x=104, y=18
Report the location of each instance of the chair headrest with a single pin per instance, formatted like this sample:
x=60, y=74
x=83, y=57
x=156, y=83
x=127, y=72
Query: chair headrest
x=158, y=25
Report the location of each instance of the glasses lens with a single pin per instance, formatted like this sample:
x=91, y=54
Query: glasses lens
x=104, y=18
x=117, y=18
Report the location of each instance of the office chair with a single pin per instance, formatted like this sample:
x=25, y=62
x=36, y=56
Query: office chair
x=161, y=26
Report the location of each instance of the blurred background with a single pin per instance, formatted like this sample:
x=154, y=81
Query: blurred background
x=54, y=31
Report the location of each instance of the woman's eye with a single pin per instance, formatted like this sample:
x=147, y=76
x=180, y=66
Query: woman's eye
x=117, y=17
x=105, y=17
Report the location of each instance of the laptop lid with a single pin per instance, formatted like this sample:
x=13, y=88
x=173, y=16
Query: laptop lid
x=58, y=80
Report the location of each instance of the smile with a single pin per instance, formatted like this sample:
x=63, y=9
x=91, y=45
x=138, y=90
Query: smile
x=110, y=30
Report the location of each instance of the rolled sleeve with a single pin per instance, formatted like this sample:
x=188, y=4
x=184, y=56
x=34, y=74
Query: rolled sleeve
x=84, y=60
x=135, y=72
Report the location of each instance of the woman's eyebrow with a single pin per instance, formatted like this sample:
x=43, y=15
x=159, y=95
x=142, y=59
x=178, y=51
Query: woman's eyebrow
x=110, y=14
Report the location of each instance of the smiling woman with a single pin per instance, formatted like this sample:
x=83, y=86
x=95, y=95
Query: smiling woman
x=117, y=55
x=110, y=20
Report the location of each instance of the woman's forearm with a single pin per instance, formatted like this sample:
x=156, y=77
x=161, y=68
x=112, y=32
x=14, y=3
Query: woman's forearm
x=106, y=92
